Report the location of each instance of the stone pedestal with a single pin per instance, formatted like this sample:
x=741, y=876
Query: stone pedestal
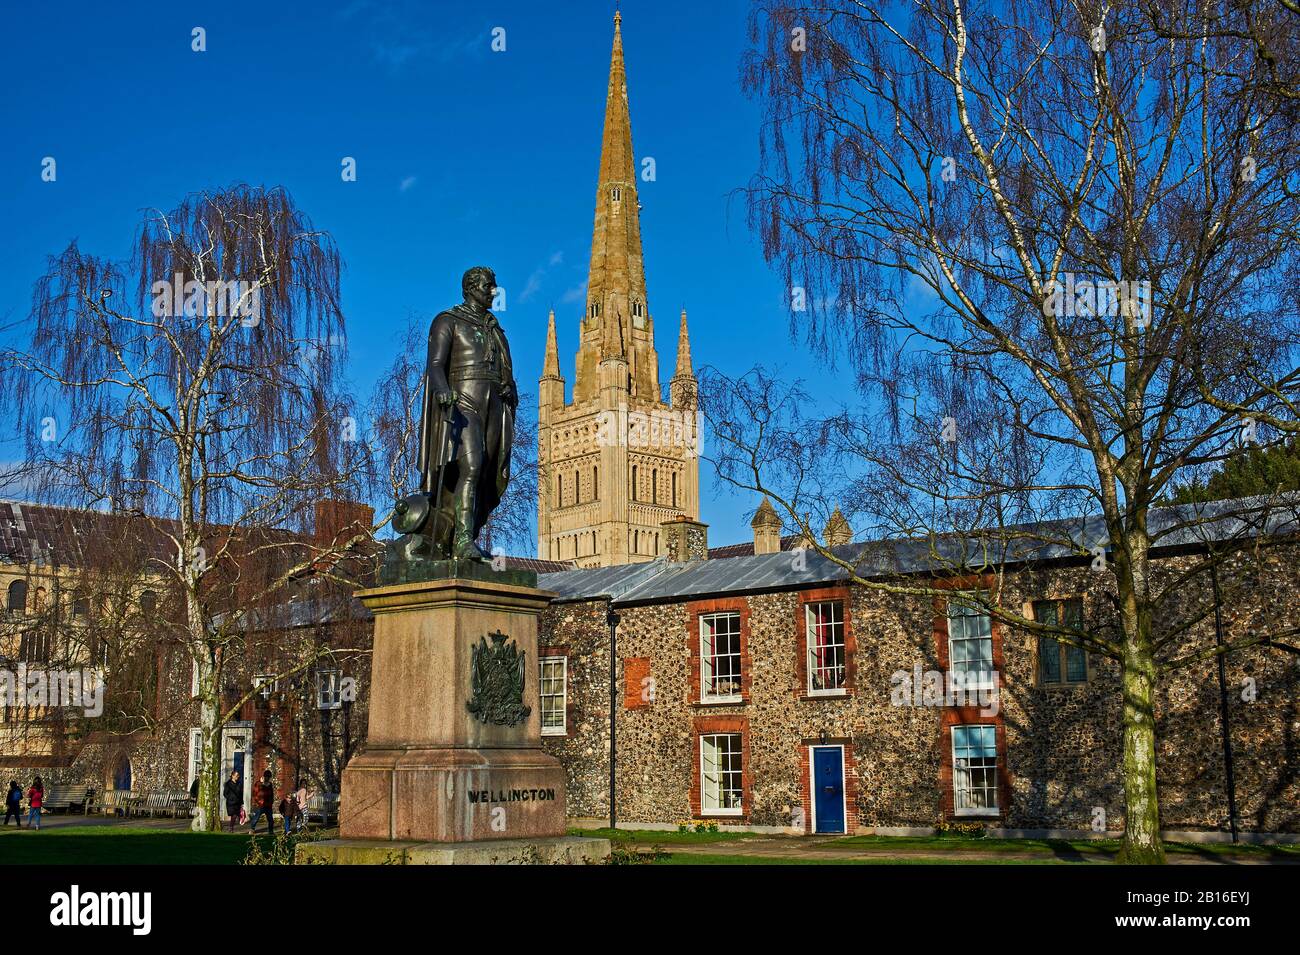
x=453, y=752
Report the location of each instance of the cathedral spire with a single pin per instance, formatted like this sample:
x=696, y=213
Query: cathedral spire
x=616, y=285
x=616, y=161
x=630, y=499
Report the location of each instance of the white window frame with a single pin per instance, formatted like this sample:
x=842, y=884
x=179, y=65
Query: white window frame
x=986, y=811
x=196, y=752
x=562, y=696
x=719, y=810
x=809, y=644
x=334, y=700
x=264, y=685
x=194, y=678
x=706, y=661
x=958, y=611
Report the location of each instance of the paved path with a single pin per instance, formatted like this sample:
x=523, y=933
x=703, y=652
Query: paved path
x=75, y=820
x=811, y=849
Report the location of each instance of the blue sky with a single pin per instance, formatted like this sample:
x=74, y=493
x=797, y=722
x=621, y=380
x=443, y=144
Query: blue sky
x=464, y=155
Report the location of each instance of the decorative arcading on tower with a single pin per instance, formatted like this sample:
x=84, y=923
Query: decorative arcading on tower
x=615, y=461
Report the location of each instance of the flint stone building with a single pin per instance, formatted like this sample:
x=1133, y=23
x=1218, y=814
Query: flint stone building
x=767, y=691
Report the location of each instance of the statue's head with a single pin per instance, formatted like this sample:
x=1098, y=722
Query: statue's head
x=478, y=284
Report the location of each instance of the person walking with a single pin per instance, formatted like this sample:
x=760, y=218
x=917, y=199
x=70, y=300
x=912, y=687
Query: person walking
x=233, y=794
x=35, y=797
x=303, y=796
x=14, y=804
x=265, y=798
x=290, y=811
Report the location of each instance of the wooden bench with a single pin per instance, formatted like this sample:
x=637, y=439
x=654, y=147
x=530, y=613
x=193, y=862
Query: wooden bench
x=64, y=796
x=118, y=802
x=179, y=803
x=151, y=804
x=322, y=806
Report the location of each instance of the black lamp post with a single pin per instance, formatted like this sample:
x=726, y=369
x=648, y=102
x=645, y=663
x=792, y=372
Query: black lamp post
x=294, y=685
x=612, y=619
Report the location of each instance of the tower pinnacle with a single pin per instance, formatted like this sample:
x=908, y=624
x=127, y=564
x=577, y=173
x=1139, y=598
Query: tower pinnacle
x=683, y=350
x=551, y=363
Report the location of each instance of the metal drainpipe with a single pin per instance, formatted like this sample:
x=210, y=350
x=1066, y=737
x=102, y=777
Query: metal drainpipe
x=612, y=619
x=1223, y=706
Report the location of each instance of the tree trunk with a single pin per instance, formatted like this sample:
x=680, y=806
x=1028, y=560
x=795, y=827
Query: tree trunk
x=209, y=809
x=1142, y=844
x=1141, y=801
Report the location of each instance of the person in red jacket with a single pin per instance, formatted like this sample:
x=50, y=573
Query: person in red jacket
x=34, y=797
x=264, y=797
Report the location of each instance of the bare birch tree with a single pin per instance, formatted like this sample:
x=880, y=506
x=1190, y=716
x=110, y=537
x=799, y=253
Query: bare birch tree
x=1056, y=244
x=195, y=389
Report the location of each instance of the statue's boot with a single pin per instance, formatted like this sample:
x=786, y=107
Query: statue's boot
x=463, y=545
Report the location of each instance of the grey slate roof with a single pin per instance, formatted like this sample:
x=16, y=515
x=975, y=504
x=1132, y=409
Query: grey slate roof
x=611, y=582
x=304, y=612
x=1171, y=527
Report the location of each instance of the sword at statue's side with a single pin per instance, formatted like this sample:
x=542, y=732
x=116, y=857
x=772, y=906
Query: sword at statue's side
x=439, y=416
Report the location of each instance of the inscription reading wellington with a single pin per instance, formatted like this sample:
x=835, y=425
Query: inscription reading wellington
x=496, y=679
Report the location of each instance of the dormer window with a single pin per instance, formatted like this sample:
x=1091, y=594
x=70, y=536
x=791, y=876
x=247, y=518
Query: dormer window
x=616, y=194
x=593, y=310
x=638, y=309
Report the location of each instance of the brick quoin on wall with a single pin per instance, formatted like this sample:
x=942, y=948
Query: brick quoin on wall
x=636, y=671
x=704, y=725
x=968, y=715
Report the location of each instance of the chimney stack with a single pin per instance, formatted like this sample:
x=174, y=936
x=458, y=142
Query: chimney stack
x=336, y=521
x=685, y=539
x=837, y=530
x=767, y=529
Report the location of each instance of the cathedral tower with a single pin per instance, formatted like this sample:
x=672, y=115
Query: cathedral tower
x=616, y=461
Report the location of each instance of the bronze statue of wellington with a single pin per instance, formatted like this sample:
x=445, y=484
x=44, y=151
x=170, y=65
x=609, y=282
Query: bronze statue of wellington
x=466, y=430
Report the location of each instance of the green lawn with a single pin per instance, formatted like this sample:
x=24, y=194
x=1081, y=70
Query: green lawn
x=121, y=845
x=660, y=837
x=696, y=858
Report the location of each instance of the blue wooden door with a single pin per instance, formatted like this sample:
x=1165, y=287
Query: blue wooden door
x=828, y=788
